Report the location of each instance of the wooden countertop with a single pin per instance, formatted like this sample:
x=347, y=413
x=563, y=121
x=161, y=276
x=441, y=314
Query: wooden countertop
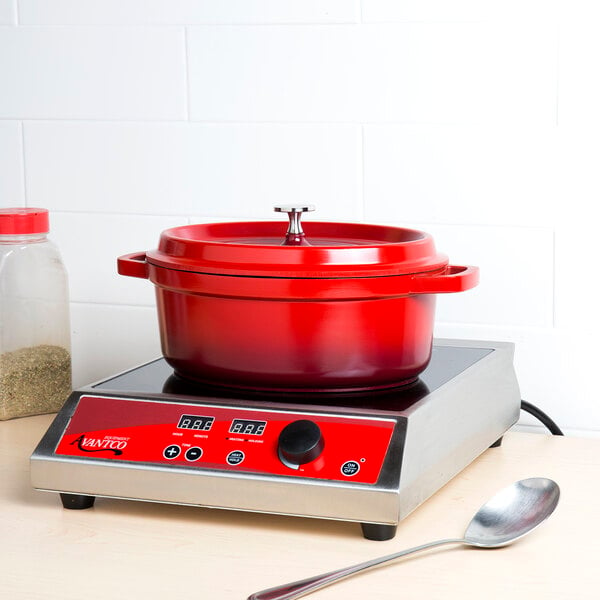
x=137, y=550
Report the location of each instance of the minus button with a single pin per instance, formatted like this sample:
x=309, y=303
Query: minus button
x=193, y=454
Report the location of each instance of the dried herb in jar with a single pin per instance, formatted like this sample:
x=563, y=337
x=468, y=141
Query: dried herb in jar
x=34, y=381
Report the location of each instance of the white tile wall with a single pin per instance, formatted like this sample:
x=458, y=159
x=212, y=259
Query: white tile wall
x=95, y=73
x=8, y=13
x=517, y=275
x=190, y=168
x=419, y=72
x=474, y=120
x=577, y=284
x=165, y=12
x=577, y=287
x=461, y=174
x=99, y=335
x=579, y=84
x=459, y=10
x=12, y=189
x=90, y=245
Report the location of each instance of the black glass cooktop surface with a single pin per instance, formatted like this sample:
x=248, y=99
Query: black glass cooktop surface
x=157, y=377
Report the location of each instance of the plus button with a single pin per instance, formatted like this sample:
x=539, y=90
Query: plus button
x=171, y=452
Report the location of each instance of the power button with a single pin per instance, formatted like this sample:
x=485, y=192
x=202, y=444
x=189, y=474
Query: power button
x=350, y=468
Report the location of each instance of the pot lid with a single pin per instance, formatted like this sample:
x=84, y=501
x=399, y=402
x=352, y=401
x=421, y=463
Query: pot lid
x=308, y=249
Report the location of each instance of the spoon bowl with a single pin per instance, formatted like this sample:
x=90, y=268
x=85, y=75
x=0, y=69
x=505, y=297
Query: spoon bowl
x=509, y=515
x=512, y=513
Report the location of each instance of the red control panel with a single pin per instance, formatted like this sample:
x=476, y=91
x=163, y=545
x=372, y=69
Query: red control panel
x=247, y=440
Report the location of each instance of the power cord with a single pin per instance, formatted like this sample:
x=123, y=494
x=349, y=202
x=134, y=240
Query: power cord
x=542, y=417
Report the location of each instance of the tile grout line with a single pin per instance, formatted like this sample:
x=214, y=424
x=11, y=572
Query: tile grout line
x=80, y=303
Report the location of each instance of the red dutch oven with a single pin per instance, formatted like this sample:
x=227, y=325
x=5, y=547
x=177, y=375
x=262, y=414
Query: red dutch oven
x=339, y=306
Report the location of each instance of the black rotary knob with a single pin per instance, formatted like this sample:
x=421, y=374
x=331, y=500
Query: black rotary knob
x=300, y=442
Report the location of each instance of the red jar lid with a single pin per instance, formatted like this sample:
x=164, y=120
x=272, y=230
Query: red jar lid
x=322, y=250
x=23, y=221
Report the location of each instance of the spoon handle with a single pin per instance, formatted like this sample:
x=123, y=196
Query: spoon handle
x=289, y=591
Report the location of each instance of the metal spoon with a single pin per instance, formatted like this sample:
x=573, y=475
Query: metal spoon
x=509, y=515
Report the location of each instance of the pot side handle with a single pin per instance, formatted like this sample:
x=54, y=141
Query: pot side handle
x=452, y=279
x=133, y=265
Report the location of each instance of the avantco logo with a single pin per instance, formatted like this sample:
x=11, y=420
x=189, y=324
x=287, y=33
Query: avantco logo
x=106, y=444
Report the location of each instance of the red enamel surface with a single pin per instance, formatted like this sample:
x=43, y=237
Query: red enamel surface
x=353, y=309
x=257, y=248
x=296, y=345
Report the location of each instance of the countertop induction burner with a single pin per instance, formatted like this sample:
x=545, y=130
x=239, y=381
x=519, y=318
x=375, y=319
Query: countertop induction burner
x=370, y=457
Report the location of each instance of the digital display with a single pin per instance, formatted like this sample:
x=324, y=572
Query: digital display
x=247, y=427
x=195, y=422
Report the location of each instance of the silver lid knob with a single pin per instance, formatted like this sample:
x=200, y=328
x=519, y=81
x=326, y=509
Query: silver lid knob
x=294, y=234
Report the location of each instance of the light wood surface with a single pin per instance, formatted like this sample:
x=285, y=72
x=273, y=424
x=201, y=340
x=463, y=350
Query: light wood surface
x=136, y=550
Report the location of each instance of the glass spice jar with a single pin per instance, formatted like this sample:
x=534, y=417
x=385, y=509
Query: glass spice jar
x=35, y=340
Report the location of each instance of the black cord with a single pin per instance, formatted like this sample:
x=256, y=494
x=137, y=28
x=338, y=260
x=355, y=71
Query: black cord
x=541, y=416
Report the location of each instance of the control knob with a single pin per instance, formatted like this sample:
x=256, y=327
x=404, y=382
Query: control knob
x=299, y=443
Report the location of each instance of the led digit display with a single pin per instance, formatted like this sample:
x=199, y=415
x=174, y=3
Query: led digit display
x=246, y=427
x=195, y=422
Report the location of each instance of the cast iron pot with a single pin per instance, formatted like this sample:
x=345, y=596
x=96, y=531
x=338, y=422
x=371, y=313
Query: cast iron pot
x=341, y=306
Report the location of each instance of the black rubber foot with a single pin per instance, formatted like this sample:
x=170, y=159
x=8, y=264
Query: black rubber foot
x=77, y=501
x=377, y=532
x=497, y=443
